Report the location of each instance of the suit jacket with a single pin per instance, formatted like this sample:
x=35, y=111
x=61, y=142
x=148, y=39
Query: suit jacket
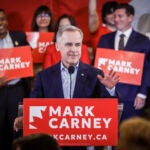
x=136, y=43
x=19, y=39
x=48, y=83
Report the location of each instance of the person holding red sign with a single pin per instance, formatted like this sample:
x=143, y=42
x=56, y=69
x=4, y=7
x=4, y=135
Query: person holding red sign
x=52, y=55
x=125, y=38
x=11, y=92
x=42, y=21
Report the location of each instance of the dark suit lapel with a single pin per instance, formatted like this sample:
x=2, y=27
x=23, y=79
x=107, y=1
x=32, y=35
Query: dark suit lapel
x=112, y=40
x=13, y=38
x=80, y=81
x=131, y=41
x=58, y=82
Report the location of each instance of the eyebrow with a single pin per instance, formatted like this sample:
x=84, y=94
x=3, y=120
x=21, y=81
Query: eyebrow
x=71, y=44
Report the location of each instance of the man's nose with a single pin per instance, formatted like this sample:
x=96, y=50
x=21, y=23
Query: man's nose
x=116, y=18
x=73, y=47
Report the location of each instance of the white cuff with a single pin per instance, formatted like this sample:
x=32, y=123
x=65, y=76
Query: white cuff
x=142, y=96
x=111, y=91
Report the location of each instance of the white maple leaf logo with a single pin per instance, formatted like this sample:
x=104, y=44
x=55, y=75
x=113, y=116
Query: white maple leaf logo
x=35, y=111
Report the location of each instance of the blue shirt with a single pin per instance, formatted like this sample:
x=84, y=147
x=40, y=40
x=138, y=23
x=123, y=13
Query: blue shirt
x=68, y=80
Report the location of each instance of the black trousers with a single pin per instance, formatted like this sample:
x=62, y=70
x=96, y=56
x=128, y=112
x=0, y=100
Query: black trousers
x=10, y=96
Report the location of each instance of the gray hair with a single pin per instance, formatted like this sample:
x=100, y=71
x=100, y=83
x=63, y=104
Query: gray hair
x=71, y=28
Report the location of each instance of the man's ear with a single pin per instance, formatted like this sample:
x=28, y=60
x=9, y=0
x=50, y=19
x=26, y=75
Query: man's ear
x=57, y=47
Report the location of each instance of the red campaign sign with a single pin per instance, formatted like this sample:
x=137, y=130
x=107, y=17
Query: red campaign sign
x=75, y=122
x=125, y=63
x=39, y=42
x=16, y=62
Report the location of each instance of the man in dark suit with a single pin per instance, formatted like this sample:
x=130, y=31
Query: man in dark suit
x=12, y=92
x=71, y=78
x=132, y=96
x=85, y=81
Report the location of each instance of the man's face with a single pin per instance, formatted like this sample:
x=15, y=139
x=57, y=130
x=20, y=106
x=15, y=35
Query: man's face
x=3, y=25
x=122, y=20
x=70, y=47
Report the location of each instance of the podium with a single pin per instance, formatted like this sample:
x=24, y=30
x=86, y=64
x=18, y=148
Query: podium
x=120, y=110
x=73, y=122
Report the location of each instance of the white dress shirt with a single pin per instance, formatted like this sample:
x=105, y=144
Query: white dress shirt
x=127, y=34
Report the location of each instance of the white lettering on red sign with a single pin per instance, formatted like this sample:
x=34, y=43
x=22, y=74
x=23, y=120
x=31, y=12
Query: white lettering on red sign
x=118, y=66
x=80, y=117
x=13, y=63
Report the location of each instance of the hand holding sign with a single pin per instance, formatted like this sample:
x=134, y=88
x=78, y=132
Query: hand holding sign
x=2, y=81
x=18, y=123
x=139, y=102
x=109, y=80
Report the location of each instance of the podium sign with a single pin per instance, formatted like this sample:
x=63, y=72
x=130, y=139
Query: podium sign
x=16, y=62
x=128, y=65
x=75, y=122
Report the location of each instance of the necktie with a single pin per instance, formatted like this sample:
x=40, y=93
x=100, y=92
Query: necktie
x=121, y=42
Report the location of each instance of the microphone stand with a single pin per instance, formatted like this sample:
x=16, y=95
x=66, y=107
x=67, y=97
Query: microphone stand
x=70, y=86
x=71, y=70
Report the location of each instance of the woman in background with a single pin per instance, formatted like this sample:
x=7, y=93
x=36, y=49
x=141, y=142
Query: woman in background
x=42, y=20
x=52, y=55
x=100, y=25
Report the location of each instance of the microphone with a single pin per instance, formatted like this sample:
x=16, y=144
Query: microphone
x=71, y=70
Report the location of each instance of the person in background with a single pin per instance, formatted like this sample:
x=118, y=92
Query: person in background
x=134, y=134
x=11, y=92
x=39, y=141
x=52, y=55
x=143, y=24
x=138, y=4
x=133, y=96
x=99, y=26
x=42, y=20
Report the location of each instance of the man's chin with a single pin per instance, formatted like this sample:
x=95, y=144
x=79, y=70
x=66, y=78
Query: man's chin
x=73, y=63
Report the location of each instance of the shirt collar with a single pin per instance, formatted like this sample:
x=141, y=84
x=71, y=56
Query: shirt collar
x=64, y=68
x=126, y=33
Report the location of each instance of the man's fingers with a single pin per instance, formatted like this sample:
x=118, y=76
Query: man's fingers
x=116, y=78
x=110, y=72
x=99, y=77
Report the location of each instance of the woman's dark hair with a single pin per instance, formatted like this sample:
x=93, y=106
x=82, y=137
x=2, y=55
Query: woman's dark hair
x=108, y=8
x=64, y=16
x=39, y=10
